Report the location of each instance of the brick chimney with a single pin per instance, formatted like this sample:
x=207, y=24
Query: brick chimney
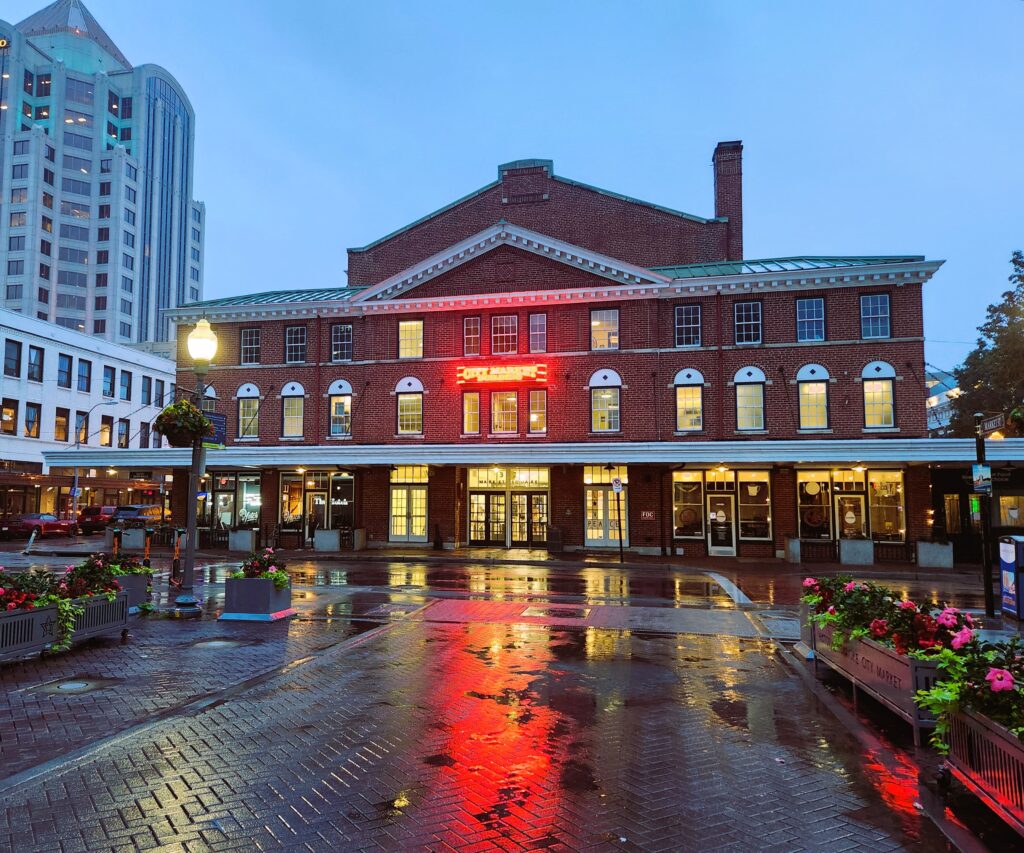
x=728, y=163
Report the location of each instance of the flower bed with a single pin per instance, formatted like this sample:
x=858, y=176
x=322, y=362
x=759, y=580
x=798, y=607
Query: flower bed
x=260, y=591
x=130, y=575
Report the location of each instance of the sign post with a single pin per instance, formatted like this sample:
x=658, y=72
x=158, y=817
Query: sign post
x=983, y=488
x=617, y=489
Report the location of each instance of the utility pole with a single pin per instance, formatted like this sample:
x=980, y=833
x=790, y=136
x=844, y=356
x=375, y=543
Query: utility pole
x=985, y=502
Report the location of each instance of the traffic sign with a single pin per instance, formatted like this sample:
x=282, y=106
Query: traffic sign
x=616, y=484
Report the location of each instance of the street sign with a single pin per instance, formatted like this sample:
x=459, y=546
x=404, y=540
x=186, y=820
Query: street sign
x=982, y=479
x=75, y=492
x=220, y=431
x=993, y=423
x=616, y=484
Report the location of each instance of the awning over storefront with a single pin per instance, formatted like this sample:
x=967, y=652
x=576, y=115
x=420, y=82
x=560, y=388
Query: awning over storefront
x=888, y=450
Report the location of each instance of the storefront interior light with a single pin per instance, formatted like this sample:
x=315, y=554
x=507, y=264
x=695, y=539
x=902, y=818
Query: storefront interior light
x=300, y=470
x=721, y=469
x=859, y=469
x=111, y=471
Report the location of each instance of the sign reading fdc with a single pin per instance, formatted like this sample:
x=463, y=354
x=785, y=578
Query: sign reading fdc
x=495, y=373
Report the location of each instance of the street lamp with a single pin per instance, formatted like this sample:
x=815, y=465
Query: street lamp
x=78, y=442
x=202, y=347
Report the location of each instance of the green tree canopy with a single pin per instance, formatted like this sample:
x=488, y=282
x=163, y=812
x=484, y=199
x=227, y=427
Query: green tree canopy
x=991, y=379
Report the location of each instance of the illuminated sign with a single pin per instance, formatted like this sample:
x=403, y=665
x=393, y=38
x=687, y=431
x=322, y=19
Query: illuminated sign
x=502, y=373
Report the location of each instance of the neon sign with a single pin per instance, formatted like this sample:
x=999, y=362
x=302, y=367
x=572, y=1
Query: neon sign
x=490, y=373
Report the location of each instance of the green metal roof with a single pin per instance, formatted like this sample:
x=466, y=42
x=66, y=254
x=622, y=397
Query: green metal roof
x=277, y=297
x=782, y=265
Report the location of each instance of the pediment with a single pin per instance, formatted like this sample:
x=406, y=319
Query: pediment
x=504, y=234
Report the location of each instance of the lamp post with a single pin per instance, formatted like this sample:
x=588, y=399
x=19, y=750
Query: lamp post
x=202, y=347
x=985, y=502
x=78, y=442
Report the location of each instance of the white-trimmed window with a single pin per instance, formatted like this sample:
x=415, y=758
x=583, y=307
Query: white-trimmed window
x=538, y=333
x=339, y=395
x=812, y=396
x=248, y=411
x=293, y=409
x=689, y=400
x=879, y=401
x=504, y=334
x=471, y=336
x=755, y=506
x=749, y=382
x=810, y=319
x=410, y=339
x=604, y=329
x=409, y=406
x=471, y=412
x=538, y=411
x=874, y=315
x=747, y=316
x=250, y=351
x=504, y=412
x=688, y=326
x=295, y=344
x=605, y=391
x=209, y=403
x=341, y=342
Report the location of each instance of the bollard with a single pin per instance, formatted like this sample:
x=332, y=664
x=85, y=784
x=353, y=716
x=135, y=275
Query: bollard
x=147, y=544
x=175, y=579
x=116, y=543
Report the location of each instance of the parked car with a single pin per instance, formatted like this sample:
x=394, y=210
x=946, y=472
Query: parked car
x=136, y=516
x=40, y=523
x=94, y=518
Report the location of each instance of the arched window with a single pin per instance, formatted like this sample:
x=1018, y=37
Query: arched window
x=339, y=397
x=248, y=396
x=749, y=382
x=605, y=390
x=879, y=397
x=209, y=399
x=812, y=396
x=409, y=406
x=293, y=403
x=689, y=400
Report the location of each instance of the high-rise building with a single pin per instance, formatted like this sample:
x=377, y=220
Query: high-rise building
x=99, y=231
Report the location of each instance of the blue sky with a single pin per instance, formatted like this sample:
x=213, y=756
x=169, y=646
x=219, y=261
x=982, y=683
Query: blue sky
x=869, y=128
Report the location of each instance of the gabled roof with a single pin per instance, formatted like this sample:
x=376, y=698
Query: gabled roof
x=277, y=297
x=820, y=262
x=71, y=16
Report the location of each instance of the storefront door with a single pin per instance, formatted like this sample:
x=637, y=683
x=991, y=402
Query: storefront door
x=722, y=525
x=602, y=521
x=487, y=518
x=850, y=521
x=408, y=514
x=316, y=512
x=529, y=519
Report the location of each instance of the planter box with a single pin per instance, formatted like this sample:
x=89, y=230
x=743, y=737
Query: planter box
x=890, y=678
x=242, y=541
x=990, y=762
x=137, y=589
x=256, y=600
x=25, y=632
x=856, y=552
x=327, y=540
x=935, y=555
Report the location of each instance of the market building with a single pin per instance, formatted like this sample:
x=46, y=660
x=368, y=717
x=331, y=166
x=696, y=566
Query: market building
x=546, y=360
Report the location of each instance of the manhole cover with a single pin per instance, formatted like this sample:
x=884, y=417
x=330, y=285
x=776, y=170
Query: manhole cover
x=219, y=644
x=392, y=609
x=76, y=686
x=558, y=612
x=73, y=685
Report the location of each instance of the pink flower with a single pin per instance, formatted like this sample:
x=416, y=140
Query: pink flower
x=968, y=620
x=810, y=582
x=999, y=680
x=2, y=590
x=879, y=627
x=832, y=610
x=961, y=638
x=947, y=617
x=11, y=606
x=850, y=587
x=907, y=605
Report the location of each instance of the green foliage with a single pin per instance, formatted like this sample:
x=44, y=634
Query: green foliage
x=183, y=420
x=265, y=564
x=991, y=379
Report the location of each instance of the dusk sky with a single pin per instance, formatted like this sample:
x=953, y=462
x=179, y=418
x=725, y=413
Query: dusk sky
x=869, y=128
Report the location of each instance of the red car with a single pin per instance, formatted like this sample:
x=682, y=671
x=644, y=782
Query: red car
x=40, y=523
x=94, y=518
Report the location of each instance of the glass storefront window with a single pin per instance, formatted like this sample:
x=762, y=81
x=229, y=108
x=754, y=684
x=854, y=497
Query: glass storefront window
x=249, y=499
x=848, y=480
x=754, y=490
x=488, y=478
x=530, y=478
x=814, y=505
x=342, y=501
x=409, y=474
x=719, y=481
x=885, y=494
x=688, y=504
x=600, y=475
x=291, y=500
x=1011, y=510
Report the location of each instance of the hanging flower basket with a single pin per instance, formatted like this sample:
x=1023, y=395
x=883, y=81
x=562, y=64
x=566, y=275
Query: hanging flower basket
x=181, y=423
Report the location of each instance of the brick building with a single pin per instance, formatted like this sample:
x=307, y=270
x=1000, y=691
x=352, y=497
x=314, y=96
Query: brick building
x=545, y=358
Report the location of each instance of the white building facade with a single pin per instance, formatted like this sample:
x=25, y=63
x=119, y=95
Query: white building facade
x=60, y=389
x=99, y=231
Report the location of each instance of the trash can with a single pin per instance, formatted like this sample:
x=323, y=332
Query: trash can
x=1011, y=567
x=554, y=542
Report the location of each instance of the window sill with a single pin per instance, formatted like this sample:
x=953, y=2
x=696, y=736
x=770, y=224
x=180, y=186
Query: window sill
x=750, y=432
x=880, y=429
x=503, y=435
x=686, y=432
x=814, y=432
x=247, y=439
x=292, y=438
x=409, y=435
x=606, y=432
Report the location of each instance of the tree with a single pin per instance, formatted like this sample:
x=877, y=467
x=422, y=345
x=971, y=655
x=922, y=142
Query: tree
x=991, y=379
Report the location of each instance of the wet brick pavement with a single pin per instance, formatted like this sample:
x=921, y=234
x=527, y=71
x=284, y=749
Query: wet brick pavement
x=472, y=736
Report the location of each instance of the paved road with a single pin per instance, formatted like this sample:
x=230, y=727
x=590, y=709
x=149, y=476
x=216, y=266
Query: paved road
x=369, y=724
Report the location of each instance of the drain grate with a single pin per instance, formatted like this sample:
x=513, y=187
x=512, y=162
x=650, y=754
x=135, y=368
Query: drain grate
x=216, y=643
x=392, y=609
x=558, y=612
x=76, y=686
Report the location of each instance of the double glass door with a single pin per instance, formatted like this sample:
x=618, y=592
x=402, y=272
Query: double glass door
x=487, y=518
x=408, y=514
x=529, y=519
x=519, y=519
x=603, y=523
